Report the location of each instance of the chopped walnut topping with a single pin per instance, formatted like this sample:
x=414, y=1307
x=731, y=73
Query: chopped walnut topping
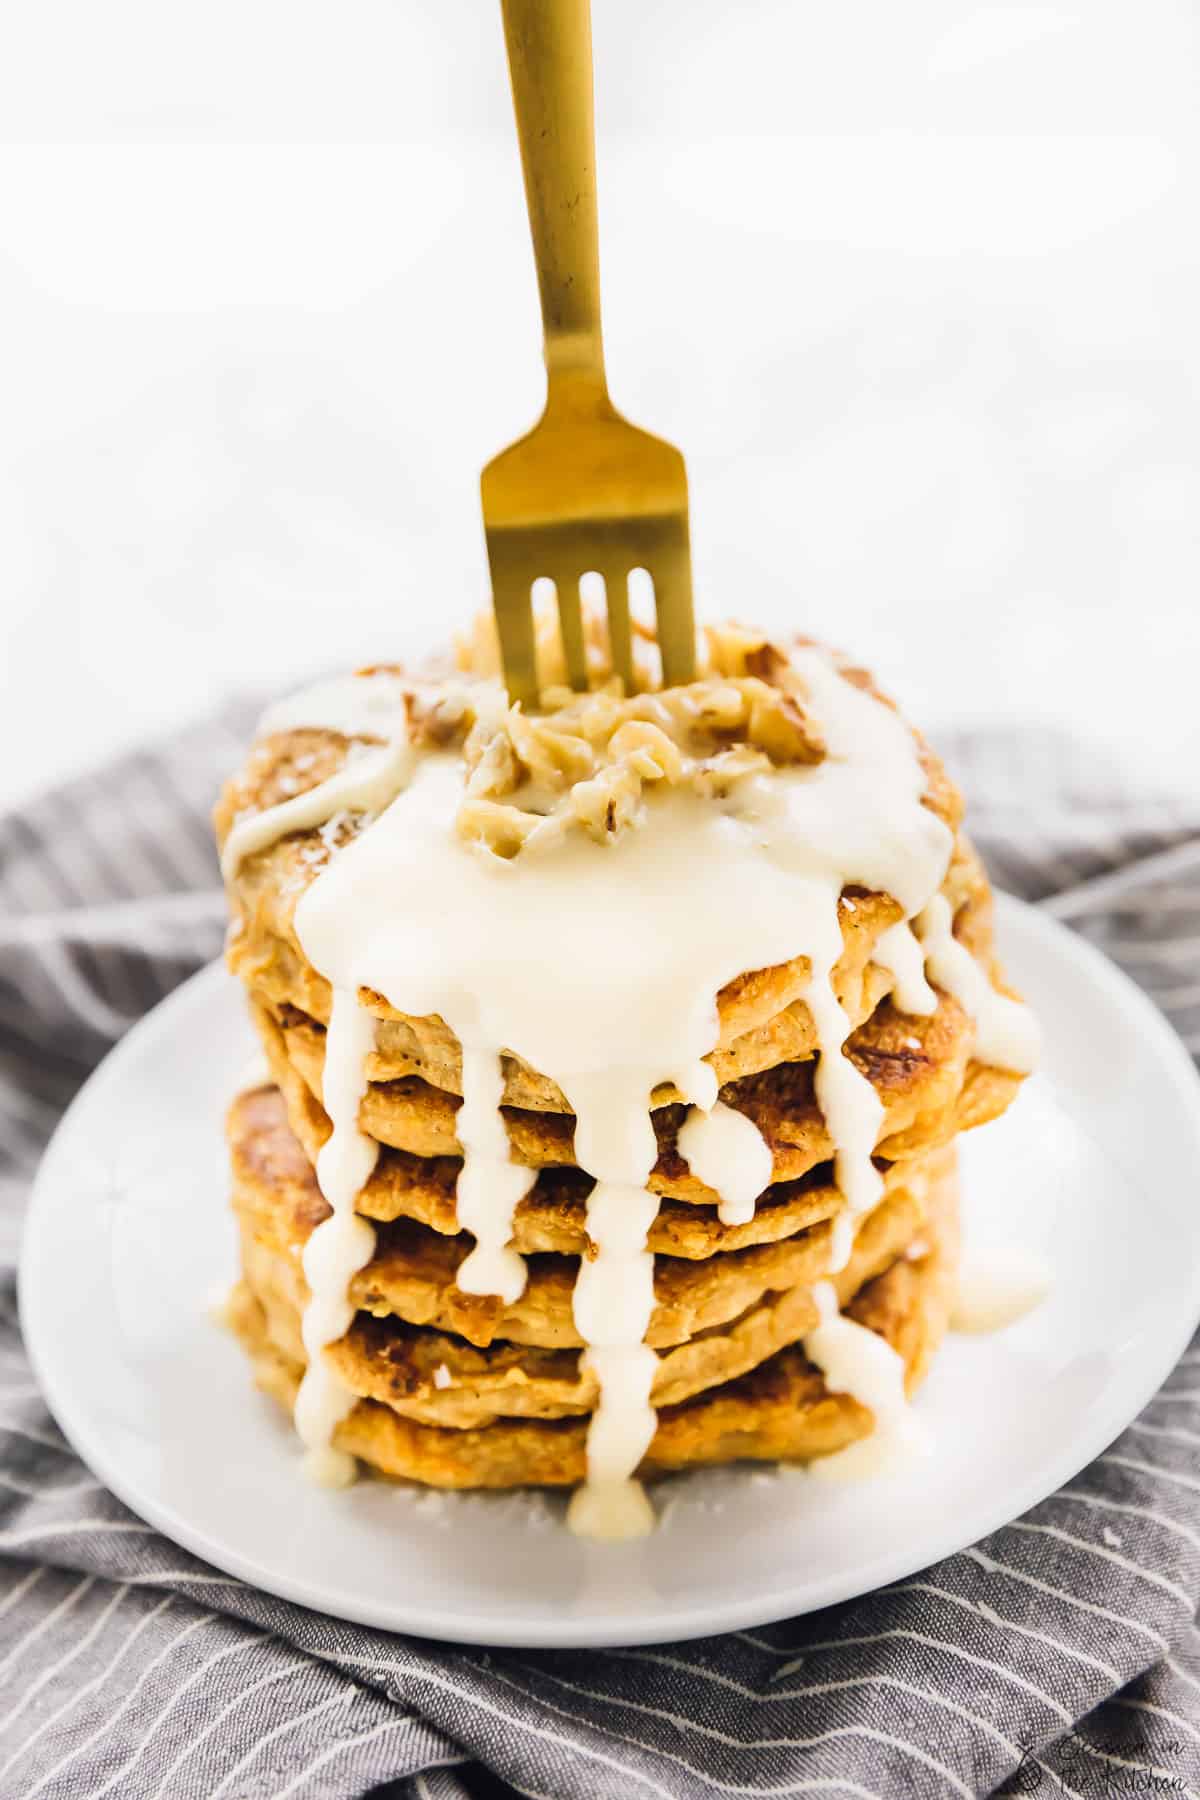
x=440, y=718
x=716, y=777
x=492, y=761
x=778, y=725
x=648, y=750
x=767, y=661
x=715, y=705
x=608, y=803
x=732, y=648
x=585, y=759
x=551, y=754
x=502, y=829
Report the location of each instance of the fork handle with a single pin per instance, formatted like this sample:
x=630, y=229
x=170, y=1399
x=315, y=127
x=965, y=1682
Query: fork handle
x=550, y=65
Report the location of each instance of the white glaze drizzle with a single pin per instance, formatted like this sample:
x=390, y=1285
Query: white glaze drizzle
x=898, y=951
x=490, y=1185
x=727, y=1151
x=857, y=1361
x=572, y=959
x=612, y=1304
x=998, y=1287
x=352, y=705
x=342, y=1244
x=1005, y=1031
x=366, y=782
x=355, y=706
x=852, y=1110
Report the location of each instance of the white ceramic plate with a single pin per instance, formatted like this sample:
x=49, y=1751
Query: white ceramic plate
x=129, y=1240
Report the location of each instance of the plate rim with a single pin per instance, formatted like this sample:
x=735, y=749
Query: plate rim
x=692, y=1620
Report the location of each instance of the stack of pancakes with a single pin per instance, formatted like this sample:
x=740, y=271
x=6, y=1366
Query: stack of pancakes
x=459, y=1390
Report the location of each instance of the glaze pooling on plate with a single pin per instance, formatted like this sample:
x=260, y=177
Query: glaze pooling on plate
x=596, y=963
x=998, y=1288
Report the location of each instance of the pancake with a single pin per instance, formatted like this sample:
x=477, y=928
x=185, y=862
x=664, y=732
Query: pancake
x=580, y=879
x=412, y=1273
x=551, y=1217
x=779, y=1411
x=440, y=1379
x=917, y=1065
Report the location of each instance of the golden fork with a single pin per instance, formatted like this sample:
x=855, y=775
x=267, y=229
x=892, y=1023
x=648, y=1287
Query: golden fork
x=584, y=491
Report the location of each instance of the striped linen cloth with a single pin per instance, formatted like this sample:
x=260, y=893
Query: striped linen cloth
x=1059, y=1656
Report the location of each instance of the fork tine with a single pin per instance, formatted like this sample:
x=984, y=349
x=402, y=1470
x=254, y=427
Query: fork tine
x=620, y=637
x=671, y=571
x=512, y=600
x=570, y=620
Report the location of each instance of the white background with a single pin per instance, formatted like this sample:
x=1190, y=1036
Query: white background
x=916, y=288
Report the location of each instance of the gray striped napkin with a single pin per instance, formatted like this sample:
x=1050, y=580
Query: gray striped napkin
x=1045, y=1660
